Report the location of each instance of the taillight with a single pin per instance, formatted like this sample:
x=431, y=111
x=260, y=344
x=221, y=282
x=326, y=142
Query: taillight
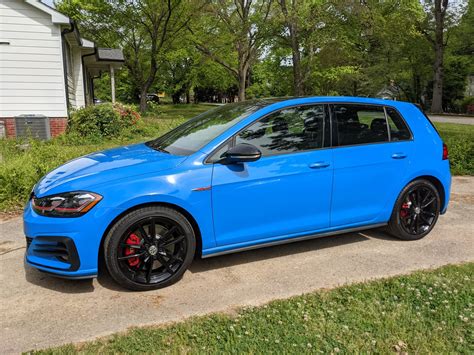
x=445, y=152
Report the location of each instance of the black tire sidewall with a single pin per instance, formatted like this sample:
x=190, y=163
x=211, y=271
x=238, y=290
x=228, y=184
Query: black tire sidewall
x=115, y=234
x=394, y=226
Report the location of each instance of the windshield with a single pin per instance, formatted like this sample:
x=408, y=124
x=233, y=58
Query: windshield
x=194, y=134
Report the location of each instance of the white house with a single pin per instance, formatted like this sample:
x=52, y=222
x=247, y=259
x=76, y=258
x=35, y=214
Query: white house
x=46, y=68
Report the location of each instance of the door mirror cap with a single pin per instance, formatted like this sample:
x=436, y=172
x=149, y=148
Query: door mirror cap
x=241, y=153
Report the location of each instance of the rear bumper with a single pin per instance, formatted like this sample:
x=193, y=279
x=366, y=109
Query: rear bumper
x=446, y=181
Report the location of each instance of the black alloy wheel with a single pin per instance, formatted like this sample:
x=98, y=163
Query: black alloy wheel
x=149, y=248
x=416, y=211
x=419, y=210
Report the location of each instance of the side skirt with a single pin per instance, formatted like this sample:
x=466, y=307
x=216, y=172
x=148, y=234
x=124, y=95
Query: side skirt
x=293, y=240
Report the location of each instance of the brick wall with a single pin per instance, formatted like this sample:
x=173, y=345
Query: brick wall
x=9, y=126
x=57, y=126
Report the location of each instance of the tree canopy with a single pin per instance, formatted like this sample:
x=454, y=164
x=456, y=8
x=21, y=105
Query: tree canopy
x=226, y=50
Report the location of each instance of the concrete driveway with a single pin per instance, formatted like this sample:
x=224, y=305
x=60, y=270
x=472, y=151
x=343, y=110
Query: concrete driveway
x=452, y=119
x=38, y=311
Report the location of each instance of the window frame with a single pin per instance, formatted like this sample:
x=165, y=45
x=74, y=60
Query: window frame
x=384, y=107
x=329, y=128
x=327, y=134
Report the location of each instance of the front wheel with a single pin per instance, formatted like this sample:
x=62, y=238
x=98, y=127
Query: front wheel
x=149, y=248
x=416, y=211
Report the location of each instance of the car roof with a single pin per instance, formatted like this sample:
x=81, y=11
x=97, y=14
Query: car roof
x=287, y=101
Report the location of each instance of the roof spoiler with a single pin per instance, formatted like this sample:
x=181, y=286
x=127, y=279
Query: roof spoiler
x=419, y=107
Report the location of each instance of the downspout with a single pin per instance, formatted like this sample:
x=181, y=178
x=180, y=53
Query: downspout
x=84, y=73
x=63, y=45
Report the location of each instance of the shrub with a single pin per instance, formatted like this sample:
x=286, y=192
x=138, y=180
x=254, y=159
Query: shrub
x=104, y=120
x=128, y=114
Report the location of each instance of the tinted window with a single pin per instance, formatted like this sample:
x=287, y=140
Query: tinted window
x=398, y=128
x=290, y=130
x=359, y=124
x=194, y=134
x=219, y=153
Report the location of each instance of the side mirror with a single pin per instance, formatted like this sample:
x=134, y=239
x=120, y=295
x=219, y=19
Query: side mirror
x=241, y=153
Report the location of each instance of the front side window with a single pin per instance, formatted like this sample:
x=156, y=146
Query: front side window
x=359, y=124
x=194, y=134
x=289, y=130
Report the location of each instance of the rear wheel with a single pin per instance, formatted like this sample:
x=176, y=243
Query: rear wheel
x=149, y=248
x=416, y=211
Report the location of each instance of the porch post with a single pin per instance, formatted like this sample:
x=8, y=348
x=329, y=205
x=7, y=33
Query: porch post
x=112, y=82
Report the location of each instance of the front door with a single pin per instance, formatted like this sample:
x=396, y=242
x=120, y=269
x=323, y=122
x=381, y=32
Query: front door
x=287, y=191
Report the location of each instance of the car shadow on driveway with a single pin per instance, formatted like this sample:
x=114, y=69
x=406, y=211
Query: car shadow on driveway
x=202, y=265
x=57, y=284
x=282, y=250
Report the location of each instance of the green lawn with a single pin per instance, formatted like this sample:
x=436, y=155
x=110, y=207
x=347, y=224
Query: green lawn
x=22, y=165
x=425, y=312
x=460, y=141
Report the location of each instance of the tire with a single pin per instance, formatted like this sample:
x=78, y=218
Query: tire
x=160, y=237
x=409, y=219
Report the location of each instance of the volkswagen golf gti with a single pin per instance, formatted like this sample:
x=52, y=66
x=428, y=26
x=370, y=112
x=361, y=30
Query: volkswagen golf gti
x=240, y=176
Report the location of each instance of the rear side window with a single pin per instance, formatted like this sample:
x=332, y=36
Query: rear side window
x=398, y=128
x=359, y=124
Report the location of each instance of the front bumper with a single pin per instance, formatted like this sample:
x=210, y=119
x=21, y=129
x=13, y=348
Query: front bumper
x=65, y=247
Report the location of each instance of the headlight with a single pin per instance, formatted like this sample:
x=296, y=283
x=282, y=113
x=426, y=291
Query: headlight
x=69, y=204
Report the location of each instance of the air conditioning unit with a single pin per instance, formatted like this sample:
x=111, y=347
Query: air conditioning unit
x=33, y=126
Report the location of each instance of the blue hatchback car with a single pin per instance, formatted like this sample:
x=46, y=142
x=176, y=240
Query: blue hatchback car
x=238, y=177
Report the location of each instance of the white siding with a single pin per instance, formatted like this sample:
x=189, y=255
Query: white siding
x=31, y=67
x=78, y=78
x=70, y=79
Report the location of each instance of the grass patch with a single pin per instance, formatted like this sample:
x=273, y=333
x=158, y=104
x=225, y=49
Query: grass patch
x=425, y=312
x=460, y=141
x=178, y=111
x=23, y=163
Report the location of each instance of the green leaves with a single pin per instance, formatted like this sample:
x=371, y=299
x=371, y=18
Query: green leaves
x=104, y=120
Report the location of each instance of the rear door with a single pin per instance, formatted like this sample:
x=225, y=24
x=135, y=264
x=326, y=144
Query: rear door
x=287, y=191
x=372, y=147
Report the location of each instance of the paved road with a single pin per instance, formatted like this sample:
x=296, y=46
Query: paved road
x=38, y=311
x=452, y=119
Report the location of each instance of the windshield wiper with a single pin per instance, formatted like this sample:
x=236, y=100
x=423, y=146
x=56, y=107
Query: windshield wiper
x=161, y=150
x=156, y=147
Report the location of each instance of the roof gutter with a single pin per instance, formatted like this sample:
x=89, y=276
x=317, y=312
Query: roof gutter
x=63, y=45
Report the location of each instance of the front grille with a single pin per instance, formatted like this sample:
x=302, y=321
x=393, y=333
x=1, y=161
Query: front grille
x=62, y=249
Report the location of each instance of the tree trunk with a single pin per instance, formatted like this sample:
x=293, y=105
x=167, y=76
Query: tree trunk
x=290, y=20
x=188, y=96
x=437, y=102
x=242, y=77
x=242, y=80
x=296, y=56
x=143, y=98
x=438, y=67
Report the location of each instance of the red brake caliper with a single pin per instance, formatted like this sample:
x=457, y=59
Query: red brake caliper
x=133, y=239
x=404, y=210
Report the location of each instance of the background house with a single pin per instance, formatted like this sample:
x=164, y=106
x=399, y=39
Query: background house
x=46, y=68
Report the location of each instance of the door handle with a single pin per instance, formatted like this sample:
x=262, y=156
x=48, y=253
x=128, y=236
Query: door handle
x=399, y=156
x=319, y=165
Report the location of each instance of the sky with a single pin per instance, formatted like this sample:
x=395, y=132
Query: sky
x=48, y=2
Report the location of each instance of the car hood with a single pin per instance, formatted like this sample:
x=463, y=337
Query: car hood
x=102, y=167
